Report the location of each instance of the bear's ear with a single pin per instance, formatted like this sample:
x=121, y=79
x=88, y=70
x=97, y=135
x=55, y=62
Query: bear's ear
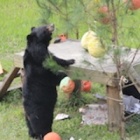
x=30, y=37
x=32, y=28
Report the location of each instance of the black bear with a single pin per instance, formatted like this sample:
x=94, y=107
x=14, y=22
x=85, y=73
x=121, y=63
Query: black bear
x=130, y=90
x=39, y=87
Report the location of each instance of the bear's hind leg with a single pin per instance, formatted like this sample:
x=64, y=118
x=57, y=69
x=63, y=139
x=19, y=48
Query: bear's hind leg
x=41, y=123
x=30, y=130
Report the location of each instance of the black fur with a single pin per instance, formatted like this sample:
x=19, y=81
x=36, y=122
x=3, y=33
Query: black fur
x=39, y=88
x=131, y=90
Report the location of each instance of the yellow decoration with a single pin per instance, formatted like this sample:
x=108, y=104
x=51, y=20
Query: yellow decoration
x=91, y=42
x=67, y=85
x=95, y=48
x=87, y=37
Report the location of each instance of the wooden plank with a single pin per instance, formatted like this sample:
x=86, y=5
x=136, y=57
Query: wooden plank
x=1, y=70
x=18, y=60
x=134, y=75
x=14, y=87
x=102, y=76
x=132, y=71
x=92, y=75
x=8, y=80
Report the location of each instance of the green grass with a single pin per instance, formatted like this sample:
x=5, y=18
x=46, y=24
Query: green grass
x=17, y=17
x=13, y=127
x=12, y=124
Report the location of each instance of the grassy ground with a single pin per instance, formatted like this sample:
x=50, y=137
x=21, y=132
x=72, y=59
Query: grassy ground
x=17, y=16
x=13, y=127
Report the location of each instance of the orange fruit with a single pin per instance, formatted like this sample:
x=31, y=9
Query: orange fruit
x=86, y=85
x=63, y=37
x=52, y=136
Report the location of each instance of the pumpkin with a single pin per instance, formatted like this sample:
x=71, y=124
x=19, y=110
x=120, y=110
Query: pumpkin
x=52, y=136
x=63, y=37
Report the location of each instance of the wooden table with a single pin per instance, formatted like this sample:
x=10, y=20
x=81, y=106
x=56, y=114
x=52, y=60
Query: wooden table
x=89, y=66
x=97, y=70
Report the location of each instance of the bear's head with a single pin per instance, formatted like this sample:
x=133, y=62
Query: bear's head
x=42, y=34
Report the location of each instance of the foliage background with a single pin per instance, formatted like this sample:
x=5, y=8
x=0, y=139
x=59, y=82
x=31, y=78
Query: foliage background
x=76, y=17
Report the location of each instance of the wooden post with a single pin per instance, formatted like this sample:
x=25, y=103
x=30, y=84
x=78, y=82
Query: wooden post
x=115, y=111
x=8, y=80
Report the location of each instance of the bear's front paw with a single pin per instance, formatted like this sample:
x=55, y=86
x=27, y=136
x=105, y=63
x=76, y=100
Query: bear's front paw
x=71, y=61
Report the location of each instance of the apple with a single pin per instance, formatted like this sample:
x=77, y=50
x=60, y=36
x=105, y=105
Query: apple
x=133, y=4
x=104, y=14
x=103, y=9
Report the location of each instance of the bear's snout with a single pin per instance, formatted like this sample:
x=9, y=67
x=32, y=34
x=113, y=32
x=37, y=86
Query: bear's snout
x=51, y=27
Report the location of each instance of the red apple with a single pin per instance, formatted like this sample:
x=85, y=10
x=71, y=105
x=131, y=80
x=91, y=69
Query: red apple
x=104, y=14
x=103, y=9
x=133, y=4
